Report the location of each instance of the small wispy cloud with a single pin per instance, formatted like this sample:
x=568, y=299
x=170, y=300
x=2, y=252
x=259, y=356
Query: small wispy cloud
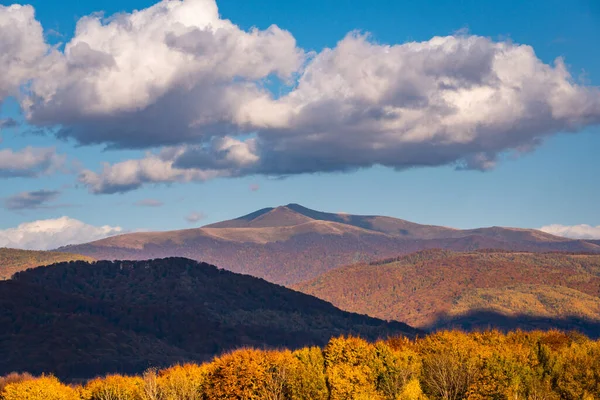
x=149, y=203
x=194, y=217
x=31, y=200
x=8, y=123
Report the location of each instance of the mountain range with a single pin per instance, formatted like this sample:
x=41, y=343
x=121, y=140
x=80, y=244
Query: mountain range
x=291, y=244
x=79, y=319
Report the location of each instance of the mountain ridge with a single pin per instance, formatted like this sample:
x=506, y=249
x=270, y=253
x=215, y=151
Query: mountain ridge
x=290, y=244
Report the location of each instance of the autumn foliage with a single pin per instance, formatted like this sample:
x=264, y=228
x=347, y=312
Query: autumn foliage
x=448, y=365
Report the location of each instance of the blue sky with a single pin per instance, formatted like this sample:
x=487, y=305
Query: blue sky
x=555, y=183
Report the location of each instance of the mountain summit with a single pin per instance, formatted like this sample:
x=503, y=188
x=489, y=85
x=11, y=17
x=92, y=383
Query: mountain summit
x=292, y=243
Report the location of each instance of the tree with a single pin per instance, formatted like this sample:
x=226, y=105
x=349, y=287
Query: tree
x=114, y=387
x=395, y=369
x=43, y=388
x=351, y=366
x=448, y=368
x=308, y=380
x=181, y=382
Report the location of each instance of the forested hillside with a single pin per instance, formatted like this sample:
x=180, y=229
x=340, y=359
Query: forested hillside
x=80, y=319
x=445, y=366
x=435, y=288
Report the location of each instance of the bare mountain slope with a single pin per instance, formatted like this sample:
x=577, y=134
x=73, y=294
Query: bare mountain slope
x=293, y=214
x=290, y=244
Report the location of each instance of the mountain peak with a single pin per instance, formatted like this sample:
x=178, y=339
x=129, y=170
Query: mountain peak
x=267, y=217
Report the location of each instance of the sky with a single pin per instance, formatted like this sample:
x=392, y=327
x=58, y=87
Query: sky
x=136, y=115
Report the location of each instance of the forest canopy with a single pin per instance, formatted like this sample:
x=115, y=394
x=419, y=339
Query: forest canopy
x=447, y=365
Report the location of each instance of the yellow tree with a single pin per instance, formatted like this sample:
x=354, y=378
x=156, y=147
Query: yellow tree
x=114, y=387
x=250, y=374
x=449, y=364
x=180, y=382
x=308, y=380
x=43, y=388
x=351, y=366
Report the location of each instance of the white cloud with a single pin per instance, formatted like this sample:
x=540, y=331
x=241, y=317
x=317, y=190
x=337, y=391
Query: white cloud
x=461, y=101
x=53, y=233
x=22, y=47
x=29, y=162
x=175, y=67
x=131, y=174
x=178, y=75
x=224, y=157
x=574, y=232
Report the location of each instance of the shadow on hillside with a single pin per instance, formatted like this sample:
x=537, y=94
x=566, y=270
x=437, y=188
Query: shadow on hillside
x=484, y=319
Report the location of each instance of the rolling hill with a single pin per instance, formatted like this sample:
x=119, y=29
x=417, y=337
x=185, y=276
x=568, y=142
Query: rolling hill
x=79, y=319
x=435, y=288
x=13, y=260
x=291, y=244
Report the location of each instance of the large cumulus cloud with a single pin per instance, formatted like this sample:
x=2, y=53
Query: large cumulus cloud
x=22, y=47
x=171, y=73
x=462, y=101
x=208, y=99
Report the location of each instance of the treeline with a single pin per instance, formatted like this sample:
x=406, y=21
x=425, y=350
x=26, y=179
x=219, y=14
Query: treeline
x=445, y=365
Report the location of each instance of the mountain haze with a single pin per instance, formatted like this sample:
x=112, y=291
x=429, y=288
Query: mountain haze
x=292, y=243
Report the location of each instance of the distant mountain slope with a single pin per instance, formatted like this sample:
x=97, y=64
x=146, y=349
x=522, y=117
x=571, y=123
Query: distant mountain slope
x=80, y=319
x=290, y=244
x=14, y=260
x=294, y=214
x=430, y=288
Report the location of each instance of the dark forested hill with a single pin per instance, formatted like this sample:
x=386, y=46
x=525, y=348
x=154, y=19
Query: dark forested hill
x=291, y=244
x=14, y=260
x=433, y=289
x=79, y=319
